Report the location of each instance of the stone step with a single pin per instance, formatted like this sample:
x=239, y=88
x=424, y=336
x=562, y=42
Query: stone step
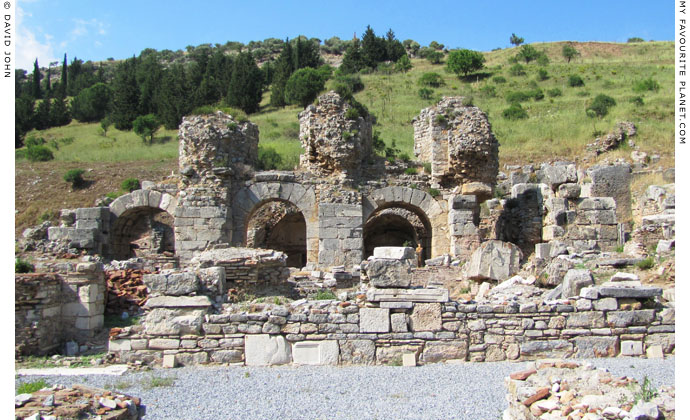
x=407, y=295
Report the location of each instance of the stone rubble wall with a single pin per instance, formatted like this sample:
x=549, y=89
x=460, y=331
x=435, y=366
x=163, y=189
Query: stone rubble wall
x=51, y=308
x=392, y=325
x=83, y=229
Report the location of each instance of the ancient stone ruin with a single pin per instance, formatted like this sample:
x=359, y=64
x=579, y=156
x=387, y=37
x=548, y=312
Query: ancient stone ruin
x=463, y=263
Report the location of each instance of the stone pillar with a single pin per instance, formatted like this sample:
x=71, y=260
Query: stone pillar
x=462, y=221
x=340, y=234
x=613, y=181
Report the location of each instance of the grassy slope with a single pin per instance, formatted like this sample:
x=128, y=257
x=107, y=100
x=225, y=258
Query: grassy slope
x=556, y=128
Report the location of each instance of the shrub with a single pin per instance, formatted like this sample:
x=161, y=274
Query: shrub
x=516, y=97
x=555, y=92
x=130, y=184
x=411, y=171
x=425, y=93
x=434, y=57
x=391, y=152
x=232, y=126
x=146, y=126
x=517, y=70
x=515, y=112
x=31, y=387
x=499, y=79
x=427, y=167
x=325, y=295
x=635, y=39
x=434, y=192
x=431, y=79
x=304, y=86
x=377, y=142
x=236, y=114
x=34, y=141
x=536, y=94
x=347, y=84
x=269, y=158
x=601, y=104
x=542, y=74
x=465, y=61
x=645, y=264
x=646, y=85
x=352, y=114
x=405, y=158
x=489, y=91
x=203, y=110
x=39, y=154
x=403, y=64
x=74, y=176
x=574, y=81
x=21, y=266
x=440, y=119
x=637, y=100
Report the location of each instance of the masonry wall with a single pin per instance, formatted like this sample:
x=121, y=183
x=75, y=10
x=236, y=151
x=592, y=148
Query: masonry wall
x=53, y=308
x=348, y=333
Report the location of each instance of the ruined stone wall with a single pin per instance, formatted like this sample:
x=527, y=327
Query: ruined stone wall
x=335, y=138
x=52, y=308
x=458, y=142
x=601, y=322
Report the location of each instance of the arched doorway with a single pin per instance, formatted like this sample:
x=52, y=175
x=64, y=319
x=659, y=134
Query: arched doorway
x=396, y=224
x=279, y=225
x=146, y=232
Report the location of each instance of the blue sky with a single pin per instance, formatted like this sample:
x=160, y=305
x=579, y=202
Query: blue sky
x=96, y=30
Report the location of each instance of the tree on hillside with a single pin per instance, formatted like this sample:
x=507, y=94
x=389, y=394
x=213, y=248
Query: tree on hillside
x=42, y=116
x=403, y=64
x=149, y=73
x=93, y=103
x=246, y=83
x=172, y=97
x=59, y=112
x=23, y=118
x=411, y=46
x=373, y=48
x=283, y=70
x=304, y=86
x=353, y=61
x=394, y=48
x=36, y=81
x=527, y=53
x=63, y=78
x=516, y=40
x=125, y=95
x=436, y=46
x=569, y=52
x=146, y=126
x=465, y=61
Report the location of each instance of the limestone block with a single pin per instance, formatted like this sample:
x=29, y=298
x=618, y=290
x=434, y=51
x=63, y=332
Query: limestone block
x=569, y=191
x=655, y=352
x=589, y=347
x=409, y=359
x=593, y=319
x=93, y=213
x=629, y=318
x=266, y=350
x=191, y=359
x=213, y=280
x=164, y=343
x=464, y=202
x=90, y=294
x=575, y=280
x=399, y=322
x=394, y=354
x=407, y=295
x=169, y=361
x=631, y=348
x=226, y=356
x=666, y=340
x=372, y=320
x=163, y=321
x=552, y=232
x=179, y=302
x=315, y=352
x=549, y=348
x=613, y=181
x=357, y=352
x=389, y=273
x=394, y=252
x=494, y=260
x=542, y=251
x=628, y=290
x=119, y=345
x=624, y=277
x=605, y=304
x=426, y=317
x=437, y=351
x=560, y=174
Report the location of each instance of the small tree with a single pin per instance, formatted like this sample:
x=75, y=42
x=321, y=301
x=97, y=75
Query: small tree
x=431, y=79
x=528, y=53
x=516, y=40
x=303, y=86
x=130, y=184
x=105, y=125
x=74, y=177
x=146, y=126
x=434, y=57
x=465, y=61
x=403, y=64
x=600, y=105
x=569, y=52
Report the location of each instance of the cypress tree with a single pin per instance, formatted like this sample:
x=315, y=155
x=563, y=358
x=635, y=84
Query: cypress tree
x=48, y=83
x=245, y=87
x=353, y=60
x=125, y=95
x=36, y=87
x=42, y=116
x=282, y=71
x=63, y=78
x=172, y=97
x=23, y=118
x=59, y=112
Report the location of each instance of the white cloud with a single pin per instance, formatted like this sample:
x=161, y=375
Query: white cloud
x=84, y=27
x=29, y=48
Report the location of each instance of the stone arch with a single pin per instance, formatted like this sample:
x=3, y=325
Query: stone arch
x=251, y=198
x=419, y=202
x=142, y=212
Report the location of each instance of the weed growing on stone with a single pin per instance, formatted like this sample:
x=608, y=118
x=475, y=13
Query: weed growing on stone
x=325, y=295
x=645, y=264
x=646, y=391
x=31, y=387
x=157, y=382
x=247, y=374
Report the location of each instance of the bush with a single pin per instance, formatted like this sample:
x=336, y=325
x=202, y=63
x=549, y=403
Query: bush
x=635, y=39
x=637, y=100
x=489, y=91
x=574, y=81
x=440, y=119
x=465, y=61
x=431, y=79
x=130, y=184
x=403, y=64
x=536, y=94
x=325, y=295
x=351, y=114
x=411, y=171
x=542, y=74
x=203, y=110
x=645, y=264
x=74, y=176
x=555, y=92
x=517, y=70
x=21, y=266
x=434, y=57
x=601, y=104
x=34, y=141
x=31, y=387
x=425, y=93
x=39, y=154
x=405, y=158
x=347, y=84
x=646, y=85
x=427, y=167
x=304, y=86
x=517, y=97
x=515, y=112
x=434, y=192
x=146, y=126
x=269, y=158
x=499, y=79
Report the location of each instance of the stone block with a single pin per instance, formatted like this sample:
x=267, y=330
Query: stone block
x=605, y=304
x=622, y=290
x=426, y=317
x=548, y=348
x=119, y=345
x=590, y=347
x=464, y=202
x=394, y=354
x=315, y=352
x=164, y=321
x=399, y=322
x=389, y=273
x=179, y=284
x=226, y=356
x=542, y=251
x=191, y=359
x=357, y=352
x=409, y=359
x=494, y=260
x=585, y=320
x=164, y=344
x=631, y=348
x=169, y=361
x=437, y=351
x=622, y=319
x=655, y=352
x=266, y=350
x=407, y=295
x=395, y=252
x=90, y=294
x=575, y=280
x=178, y=302
x=373, y=320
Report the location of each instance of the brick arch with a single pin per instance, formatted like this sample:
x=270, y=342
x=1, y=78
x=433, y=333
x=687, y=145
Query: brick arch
x=250, y=198
x=126, y=209
x=418, y=201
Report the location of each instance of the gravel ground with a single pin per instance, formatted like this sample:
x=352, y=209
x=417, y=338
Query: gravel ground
x=472, y=391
